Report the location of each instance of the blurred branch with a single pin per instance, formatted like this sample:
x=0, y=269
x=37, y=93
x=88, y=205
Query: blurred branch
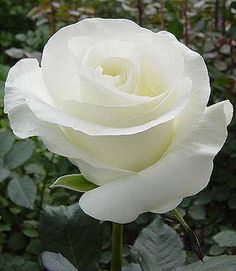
x=186, y=33
x=220, y=15
x=52, y=17
x=223, y=17
x=216, y=14
x=162, y=17
x=140, y=12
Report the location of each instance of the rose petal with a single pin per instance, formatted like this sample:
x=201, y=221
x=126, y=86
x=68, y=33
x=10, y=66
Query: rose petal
x=184, y=171
x=54, y=115
x=24, y=79
x=55, y=64
x=143, y=146
x=134, y=115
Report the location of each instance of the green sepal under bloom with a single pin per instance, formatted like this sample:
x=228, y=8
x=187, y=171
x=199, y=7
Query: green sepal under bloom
x=75, y=182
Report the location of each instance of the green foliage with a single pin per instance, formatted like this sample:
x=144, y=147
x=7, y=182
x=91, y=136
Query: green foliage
x=132, y=267
x=159, y=247
x=6, y=142
x=66, y=229
x=4, y=173
x=226, y=238
x=224, y=262
x=22, y=191
x=16, y=263
x=56, y=262
x=19, y=154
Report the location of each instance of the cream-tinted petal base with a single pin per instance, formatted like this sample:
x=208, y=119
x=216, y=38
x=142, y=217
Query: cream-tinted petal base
x=182, y=172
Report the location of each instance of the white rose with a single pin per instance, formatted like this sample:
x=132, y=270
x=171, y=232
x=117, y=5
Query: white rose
x=128, y=107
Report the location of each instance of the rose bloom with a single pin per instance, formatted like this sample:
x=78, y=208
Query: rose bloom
x=128, y=107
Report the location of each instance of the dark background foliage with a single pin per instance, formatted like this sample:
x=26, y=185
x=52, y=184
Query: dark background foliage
x=27, y=215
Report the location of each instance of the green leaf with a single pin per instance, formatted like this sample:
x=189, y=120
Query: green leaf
x=216, y=250
x=56, y=262
x=3, y=72
x=67, y=230
x=175, y=27
x=197, y=212
x=159, y=247
x=30, y=233
x=22, y=191
x=30, y=266
x=34, y=247
x=219, y=263
x=17, y=241
x=204, y=197
x=15, y=52
x=132, y=267
x=4, y=173
x=6, y=142
x=16, y=263
x=19, y=154
x=226, y=238
x=232, y=201
x=74, y=182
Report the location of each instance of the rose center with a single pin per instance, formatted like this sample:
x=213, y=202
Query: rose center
x=114, y=66
x=115, y=69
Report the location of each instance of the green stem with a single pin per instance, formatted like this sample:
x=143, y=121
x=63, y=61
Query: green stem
x=192, y=235
x=178, y=215
x=117, y=247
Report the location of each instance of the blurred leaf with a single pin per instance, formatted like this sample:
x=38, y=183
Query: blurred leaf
x=3, y=72
x=74, y=182
x=220, y=65
x=22, y=191
x=226, y=238
x=4, y=173
x=197, y=212
x=16, y=263
x=6, y=141
x=232, y=31
x=132, y=267
x=67, y=230
x=21, y=37
x=56, y=262
x=159, y=247
x=30, y=233
x=216, y=250
x=30, y=266
x=175, y=27
x=232, y=202
x=34, y=247
x=233, y=4
x=219, y=263
x=15, y=52
x=19, y=154
x=221, y=193
x=225, y=49
x=35, y=169
x=17, y=241
x=106, y=257
x=204, y=197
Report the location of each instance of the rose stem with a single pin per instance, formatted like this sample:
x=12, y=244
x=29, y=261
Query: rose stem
x=117, y=247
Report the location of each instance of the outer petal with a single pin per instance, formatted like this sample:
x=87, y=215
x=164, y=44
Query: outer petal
x=195, y=69
x=23, y=81
x=182, y=172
